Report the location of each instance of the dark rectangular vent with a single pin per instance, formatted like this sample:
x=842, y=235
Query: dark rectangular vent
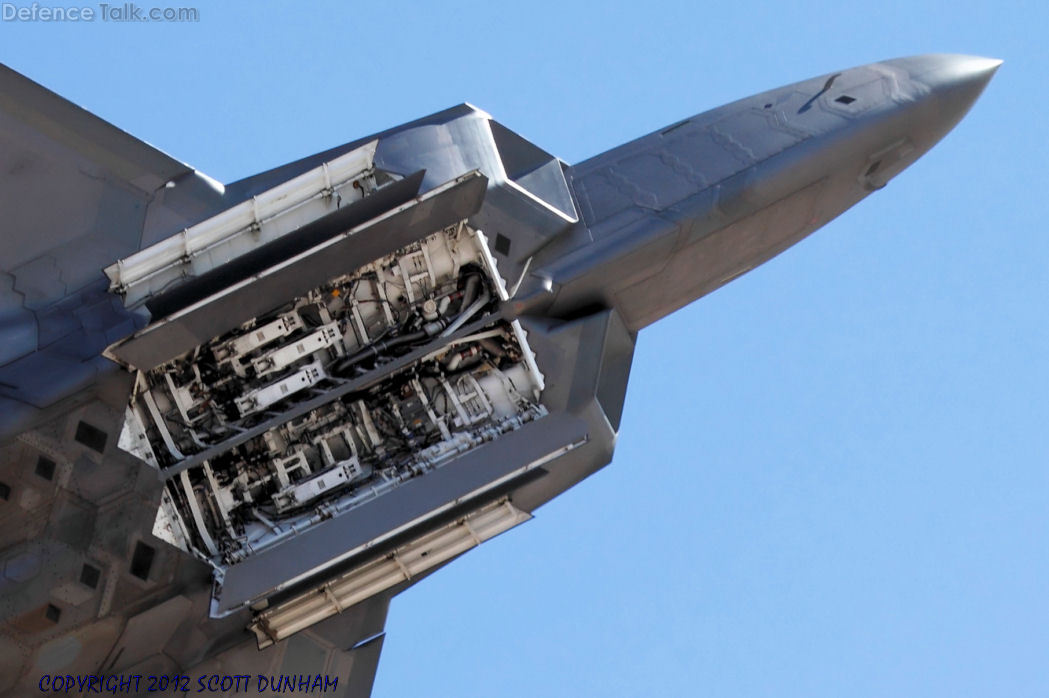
x=53, y=613
x=142, y=560
x=502, y=244
x=5, y=491
x=45, y=468
x=92, y=437
x=845, y=99
x=89, y=576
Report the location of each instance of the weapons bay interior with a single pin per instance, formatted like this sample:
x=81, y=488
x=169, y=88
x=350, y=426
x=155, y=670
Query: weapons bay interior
x=318, y=461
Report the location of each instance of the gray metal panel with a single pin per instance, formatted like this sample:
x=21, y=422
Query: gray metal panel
x=260, y=182
x=583, y=359
x=258, y=575
x=356, y=625
x=365, y=659
x=586, y=363
x=276, y=251
x=617, y=353
x=148, y=632
x=162, y=341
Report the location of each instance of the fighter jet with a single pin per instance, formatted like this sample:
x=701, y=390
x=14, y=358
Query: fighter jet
x=237, y=419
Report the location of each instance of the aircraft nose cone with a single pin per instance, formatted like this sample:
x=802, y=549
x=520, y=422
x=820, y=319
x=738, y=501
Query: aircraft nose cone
x=954, y=83
x=957, y=80
x=948, y=68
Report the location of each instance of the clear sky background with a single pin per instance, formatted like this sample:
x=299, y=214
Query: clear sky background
x=833, y=474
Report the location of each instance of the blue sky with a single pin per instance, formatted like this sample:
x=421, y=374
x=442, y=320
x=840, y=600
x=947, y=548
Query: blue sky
x=832, y=474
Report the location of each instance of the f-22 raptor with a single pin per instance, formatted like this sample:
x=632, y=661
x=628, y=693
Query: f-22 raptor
x=237, y=419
